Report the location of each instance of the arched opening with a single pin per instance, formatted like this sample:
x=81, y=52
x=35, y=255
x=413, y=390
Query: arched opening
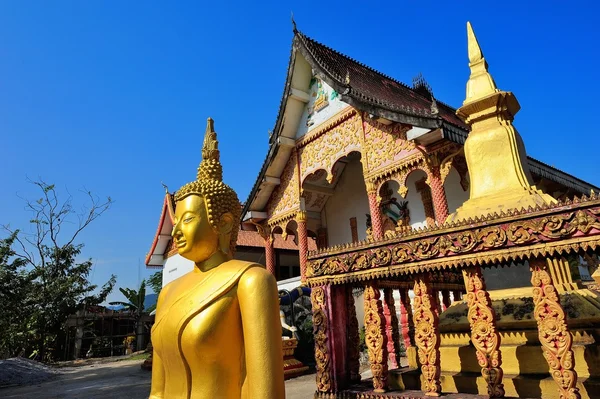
x=457, y=191
x=346, y=210
x=394, y=208
x=419, y=202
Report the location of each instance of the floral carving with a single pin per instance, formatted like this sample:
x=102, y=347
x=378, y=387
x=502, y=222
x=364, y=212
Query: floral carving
x=554, y=335
x=375, y=337
x=320, y=325
x=484, y=336
x=385, y=143
x=286, y=195
x=324, y=151
x=443, y=246
x=427, y=336
x=353, y=338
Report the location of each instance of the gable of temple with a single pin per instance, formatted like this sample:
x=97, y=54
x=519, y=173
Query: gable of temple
x=350, y=142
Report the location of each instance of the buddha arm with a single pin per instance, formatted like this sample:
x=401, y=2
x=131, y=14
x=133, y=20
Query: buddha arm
x=259, y=305
x=158, y=377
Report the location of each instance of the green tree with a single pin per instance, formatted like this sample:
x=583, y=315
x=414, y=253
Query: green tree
x=135, y=299
x=15, y=302
x=155, y=282
x=59, y=282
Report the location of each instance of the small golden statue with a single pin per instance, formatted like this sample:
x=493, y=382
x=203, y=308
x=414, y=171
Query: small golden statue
x=217, y=332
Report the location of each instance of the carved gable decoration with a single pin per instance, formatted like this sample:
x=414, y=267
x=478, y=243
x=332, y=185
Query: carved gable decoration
x=323, y=149
x=385, y=144
x=286, y=196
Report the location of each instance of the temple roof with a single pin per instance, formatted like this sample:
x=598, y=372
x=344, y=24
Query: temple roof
x=364, y=87
x=369, y=90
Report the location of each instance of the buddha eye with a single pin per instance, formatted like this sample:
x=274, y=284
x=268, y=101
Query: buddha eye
x=188, y=219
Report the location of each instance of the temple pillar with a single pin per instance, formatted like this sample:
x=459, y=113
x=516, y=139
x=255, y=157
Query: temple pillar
x=353, y=339
x=446, y=302
x=376, y=215
x=427, y=335
x=318, y=298
x=270, y=262
x=438, y=194
x=555, y=338
x=406, y=318
x=302, y=243
x=391, y=328
x=330, y=316
x=484, y=335
x=375, y=337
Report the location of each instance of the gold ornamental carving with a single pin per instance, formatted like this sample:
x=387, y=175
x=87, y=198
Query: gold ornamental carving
x=434, y=248
x=324, y=151
x=353, y=338
x=320, y=326
x=375, y=337
x=384, y=144
x=427, y=336
x=286, y=196
x=484, y=335
x=554, y=335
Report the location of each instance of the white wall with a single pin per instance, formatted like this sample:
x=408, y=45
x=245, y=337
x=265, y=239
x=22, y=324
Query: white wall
x=350, y=200
x=455, y=194
x=175, y=267
x=334, y=106
x=415, y=203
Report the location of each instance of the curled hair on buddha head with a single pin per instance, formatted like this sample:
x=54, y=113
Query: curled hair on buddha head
x=218, y=196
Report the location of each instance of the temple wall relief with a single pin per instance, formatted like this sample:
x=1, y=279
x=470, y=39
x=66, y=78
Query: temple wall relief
x=322, y=148
x=286, y=196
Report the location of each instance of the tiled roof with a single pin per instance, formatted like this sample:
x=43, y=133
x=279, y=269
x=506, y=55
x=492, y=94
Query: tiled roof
x=370, y=86
x=248, y=238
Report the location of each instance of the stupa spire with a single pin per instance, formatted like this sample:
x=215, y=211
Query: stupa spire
x=480, y=82
x=494, y=151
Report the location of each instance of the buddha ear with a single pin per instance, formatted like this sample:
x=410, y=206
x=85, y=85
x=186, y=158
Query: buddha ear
x=225, y=228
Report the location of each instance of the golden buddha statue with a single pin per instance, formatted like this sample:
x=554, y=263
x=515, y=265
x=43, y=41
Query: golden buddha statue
x=217, y=332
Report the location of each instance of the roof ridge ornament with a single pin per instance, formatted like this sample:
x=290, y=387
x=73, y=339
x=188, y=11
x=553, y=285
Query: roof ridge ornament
x=294, y=28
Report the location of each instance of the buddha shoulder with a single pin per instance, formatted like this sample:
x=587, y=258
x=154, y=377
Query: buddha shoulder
x=256, y=281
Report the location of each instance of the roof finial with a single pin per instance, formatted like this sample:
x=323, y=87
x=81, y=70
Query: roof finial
x=480, y=83
x=434, y=107
x=294, y=24
x=347, y=78
x=474, y=50
x=165, y=187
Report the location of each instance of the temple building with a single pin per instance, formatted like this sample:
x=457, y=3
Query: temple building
x=373, y=180
x=377, y=173
x=355, y=152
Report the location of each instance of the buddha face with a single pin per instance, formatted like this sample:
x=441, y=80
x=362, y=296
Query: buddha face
x=194, y=236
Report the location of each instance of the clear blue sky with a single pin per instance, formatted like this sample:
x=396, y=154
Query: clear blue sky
x=114, y=95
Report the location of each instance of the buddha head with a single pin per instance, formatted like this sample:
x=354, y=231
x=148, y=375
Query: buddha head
x=207, y=211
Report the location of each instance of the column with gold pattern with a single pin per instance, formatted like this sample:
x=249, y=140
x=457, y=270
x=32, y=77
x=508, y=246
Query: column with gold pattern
x=318, y=297
x=302, y=242
x=484, y=334
x=375, y=337
x=553, y=332
x=427, y=335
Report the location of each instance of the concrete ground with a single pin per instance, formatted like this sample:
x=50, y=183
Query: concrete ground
x=122, y=379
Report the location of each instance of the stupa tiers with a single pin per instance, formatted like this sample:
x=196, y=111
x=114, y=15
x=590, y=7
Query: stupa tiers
x=494, y=150
x=538, y=341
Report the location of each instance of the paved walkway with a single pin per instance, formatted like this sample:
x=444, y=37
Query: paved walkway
x=123, y=379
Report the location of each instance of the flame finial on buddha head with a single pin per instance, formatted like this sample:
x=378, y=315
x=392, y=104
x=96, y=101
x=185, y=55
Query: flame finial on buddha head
x=219, y=197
